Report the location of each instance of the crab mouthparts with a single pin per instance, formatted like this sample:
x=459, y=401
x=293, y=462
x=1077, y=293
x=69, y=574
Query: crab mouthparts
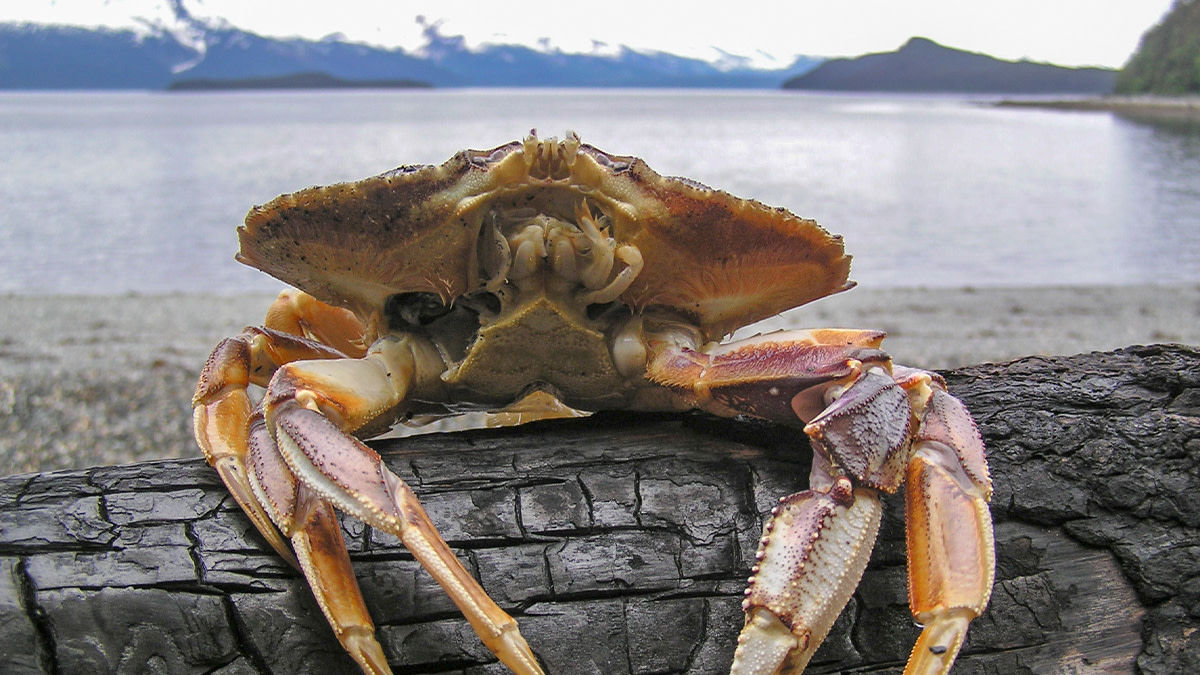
x=524, y=253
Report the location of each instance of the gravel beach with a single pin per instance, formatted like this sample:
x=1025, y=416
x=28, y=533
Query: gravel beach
x=86, y=381
x=1160, y=108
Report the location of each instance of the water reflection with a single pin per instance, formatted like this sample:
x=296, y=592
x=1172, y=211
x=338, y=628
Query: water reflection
x=1161, y=158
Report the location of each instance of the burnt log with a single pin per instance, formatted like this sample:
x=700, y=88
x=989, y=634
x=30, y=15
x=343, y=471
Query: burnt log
x=622, y=544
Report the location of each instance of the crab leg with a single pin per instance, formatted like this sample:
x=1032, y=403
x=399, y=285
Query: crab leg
x=298, y=313
x=237, y=444
x=297, y=326
x=310, y=406
x=313, y=529
x=222, y=409
x=864, y=425
x=951, y=558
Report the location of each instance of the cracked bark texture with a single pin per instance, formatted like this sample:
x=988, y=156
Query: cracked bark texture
x=622, y=543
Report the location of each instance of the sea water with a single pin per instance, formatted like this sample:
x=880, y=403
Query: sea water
x=115, y=193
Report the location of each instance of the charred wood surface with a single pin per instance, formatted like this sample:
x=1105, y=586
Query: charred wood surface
x=622, y=543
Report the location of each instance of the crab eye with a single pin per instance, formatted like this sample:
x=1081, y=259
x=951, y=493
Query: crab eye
x=485, y=301
x=414, y=309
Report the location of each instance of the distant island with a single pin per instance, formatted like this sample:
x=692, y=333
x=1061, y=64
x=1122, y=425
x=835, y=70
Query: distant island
x=293, y=81
x=924, y=66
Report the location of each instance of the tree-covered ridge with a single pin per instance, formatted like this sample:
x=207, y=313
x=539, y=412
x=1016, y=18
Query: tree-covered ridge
x=1168, y=59
x=922, y=65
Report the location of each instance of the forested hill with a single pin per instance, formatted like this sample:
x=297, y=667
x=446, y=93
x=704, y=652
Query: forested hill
x=1167, y=62
x=922, y=65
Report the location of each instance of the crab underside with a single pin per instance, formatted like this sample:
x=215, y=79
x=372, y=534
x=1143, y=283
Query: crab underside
x=545, y=277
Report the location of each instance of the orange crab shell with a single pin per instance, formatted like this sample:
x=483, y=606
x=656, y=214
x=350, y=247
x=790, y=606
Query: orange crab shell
x=723, y=261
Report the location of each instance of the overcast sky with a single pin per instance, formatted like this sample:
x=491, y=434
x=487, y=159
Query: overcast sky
x=1067, y=32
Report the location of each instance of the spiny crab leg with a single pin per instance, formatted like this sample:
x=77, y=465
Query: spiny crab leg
x=312, y=526
x=237, y=443
x=310, y=406
x=222, y=409
x=868, y=428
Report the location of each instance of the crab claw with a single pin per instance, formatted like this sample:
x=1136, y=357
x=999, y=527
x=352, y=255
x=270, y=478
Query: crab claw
x=810, y=558
x=222, y=410
x=871, y=425
x=311, y=525
x=817, y=543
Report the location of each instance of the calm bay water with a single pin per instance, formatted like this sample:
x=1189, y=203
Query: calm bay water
x=113, y=193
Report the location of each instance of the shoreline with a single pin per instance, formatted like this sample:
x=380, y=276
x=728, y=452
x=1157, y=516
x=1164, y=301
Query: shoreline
x=86, y=380
x=1167, y=108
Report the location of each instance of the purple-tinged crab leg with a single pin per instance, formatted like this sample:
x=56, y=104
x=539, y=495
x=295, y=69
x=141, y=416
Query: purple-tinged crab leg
x=312, y=526
x=309, y=405
x=297, y=326
x=222, y=410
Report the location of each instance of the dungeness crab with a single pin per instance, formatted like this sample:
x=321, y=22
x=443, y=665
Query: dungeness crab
x=549, y=267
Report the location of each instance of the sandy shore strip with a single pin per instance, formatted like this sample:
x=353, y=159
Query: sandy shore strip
x=86, y=381
x=1167, y=108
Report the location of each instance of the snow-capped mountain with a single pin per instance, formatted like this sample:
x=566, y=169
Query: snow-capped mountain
x=160, y=50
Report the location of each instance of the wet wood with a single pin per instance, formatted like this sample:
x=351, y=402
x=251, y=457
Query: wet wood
x=622, y=543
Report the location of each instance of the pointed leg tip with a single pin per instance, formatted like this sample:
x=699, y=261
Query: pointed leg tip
x=939, y=643
x=515, y=653
x=234, y=477
x=367, y=653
